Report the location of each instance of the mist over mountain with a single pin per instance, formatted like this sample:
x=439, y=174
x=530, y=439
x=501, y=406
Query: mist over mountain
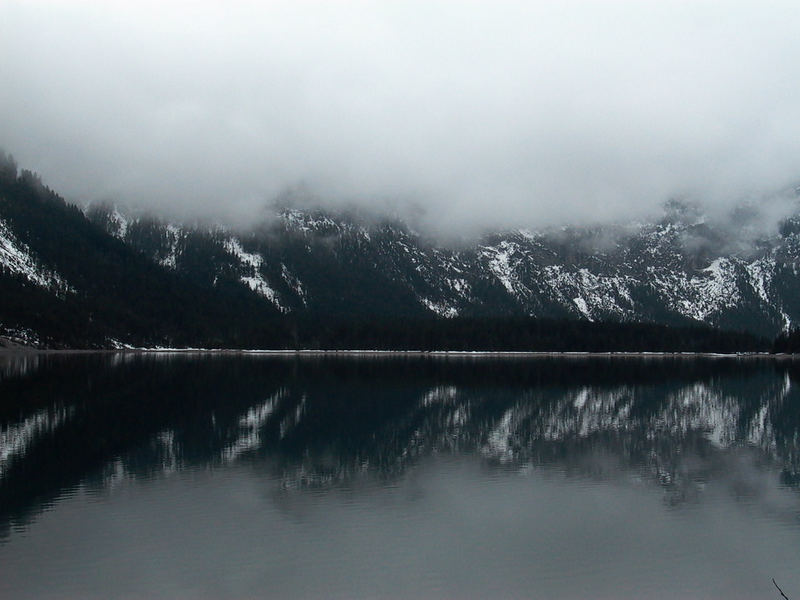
x=510, y=115
x=315, y=278
x=734, y=271
x=269, y=174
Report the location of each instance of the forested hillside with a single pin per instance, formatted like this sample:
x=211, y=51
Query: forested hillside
x=73, y=284
x=307, y=279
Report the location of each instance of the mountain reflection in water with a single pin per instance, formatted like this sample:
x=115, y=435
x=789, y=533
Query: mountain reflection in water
x=87, y=421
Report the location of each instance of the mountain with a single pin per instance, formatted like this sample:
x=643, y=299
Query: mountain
x=64, y=282
x=679, y=271
x=100, y=277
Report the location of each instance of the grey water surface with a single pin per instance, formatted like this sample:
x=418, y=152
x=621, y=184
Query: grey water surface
x=236, y=476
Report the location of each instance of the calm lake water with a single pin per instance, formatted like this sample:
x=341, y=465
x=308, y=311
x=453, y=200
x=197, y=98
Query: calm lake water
x=265, y=477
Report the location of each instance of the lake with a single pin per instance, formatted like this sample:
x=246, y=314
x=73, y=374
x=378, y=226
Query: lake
x=257, y=476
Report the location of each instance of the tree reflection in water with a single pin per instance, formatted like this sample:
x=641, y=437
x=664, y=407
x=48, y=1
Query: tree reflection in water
x=86, y=421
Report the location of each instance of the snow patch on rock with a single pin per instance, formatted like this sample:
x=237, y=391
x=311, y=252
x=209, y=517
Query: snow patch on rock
x=253, y=278
x=170, y=261
x=440, y=308
x=294, y=283
x=16, y=258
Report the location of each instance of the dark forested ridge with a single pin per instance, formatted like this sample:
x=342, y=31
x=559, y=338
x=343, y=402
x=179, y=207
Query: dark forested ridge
x=67, y=282
x=85, y=288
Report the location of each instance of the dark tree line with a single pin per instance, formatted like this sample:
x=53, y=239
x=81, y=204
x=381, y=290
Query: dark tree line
x=788, y=342
x=522, y=334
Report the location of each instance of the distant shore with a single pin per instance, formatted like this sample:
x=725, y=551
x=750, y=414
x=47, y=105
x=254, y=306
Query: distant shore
x=27, y=350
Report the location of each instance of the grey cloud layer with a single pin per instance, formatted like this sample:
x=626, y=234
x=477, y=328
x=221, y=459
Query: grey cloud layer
x=517, y=113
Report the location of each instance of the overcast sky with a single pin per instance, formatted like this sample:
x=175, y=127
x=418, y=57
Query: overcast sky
x=495, y=113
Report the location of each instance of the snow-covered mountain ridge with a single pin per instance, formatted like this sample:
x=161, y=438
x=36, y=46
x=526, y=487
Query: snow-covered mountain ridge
x=677, y=270
x=98, y=277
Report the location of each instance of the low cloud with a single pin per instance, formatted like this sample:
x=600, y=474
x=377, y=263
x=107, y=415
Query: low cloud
x=511, y=114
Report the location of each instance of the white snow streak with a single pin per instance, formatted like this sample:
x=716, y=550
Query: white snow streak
x=171, y=259
x=16, y=258
x=16, y=439
x=500, y=266
x=250, y=426
x=440, y=308
x=294, y=283
x=254, y=279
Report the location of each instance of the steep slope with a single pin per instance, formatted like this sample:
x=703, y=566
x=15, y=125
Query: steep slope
x=65, y=281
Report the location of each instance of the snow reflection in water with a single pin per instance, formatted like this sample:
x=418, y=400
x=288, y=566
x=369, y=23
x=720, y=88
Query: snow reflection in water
x=302, y=435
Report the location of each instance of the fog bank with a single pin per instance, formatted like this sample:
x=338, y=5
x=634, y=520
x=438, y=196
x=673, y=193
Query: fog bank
x=512, y=114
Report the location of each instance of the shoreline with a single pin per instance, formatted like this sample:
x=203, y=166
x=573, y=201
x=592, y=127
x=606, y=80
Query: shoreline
x=393, y=353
